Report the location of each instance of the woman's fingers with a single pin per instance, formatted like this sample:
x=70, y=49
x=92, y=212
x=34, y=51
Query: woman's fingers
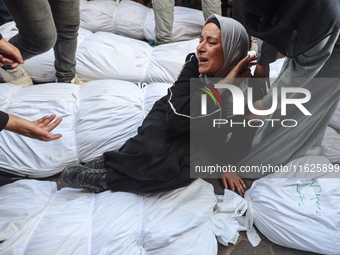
x=239, y=186
x=41, y=120
x=48, y=120
x=54, y=124
x=235, y=184
x=243, y=67
x=247, y=59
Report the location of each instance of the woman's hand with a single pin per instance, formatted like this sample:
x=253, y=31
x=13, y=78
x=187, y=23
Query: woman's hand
x=234, y=181
x=240, y=71
x=9, y=54
x=39, y=129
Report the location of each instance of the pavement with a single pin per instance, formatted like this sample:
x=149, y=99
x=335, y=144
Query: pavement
x=243, y=246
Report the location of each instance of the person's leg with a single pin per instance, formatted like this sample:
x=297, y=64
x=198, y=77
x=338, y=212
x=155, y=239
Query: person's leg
x=34, y=20
x=66, y=19
x=210, y=7
x=36, y=35
x=164, y=19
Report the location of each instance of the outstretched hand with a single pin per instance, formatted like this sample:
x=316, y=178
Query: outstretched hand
x=39, y=129
x=9, y=54
x=232, y=180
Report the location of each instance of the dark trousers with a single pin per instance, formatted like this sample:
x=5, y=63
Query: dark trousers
x=45, y=24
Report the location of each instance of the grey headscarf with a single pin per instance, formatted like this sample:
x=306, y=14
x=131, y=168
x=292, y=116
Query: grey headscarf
x=235, y=43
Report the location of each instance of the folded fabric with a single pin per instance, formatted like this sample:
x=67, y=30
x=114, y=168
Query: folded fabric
x=71, y=221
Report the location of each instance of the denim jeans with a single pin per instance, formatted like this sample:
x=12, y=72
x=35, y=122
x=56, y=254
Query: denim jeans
x=44, y=24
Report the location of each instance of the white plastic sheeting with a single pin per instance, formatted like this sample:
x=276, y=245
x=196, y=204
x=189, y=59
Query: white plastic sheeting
x=166, y=61
x=299, y=210
x=98, y=16
x=153, y=92
x=188, y=24
x=293, y=209
x=110, y=56
x=7, y=91
x=98, y=116
x=105, y=55
x=72, y=221
x=330, y=147
x=109, y=113
x=137, y=21
x=130, y=19
x=26, y=156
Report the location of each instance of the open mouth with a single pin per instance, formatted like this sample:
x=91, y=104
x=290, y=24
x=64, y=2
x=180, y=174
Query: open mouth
x=203, y=60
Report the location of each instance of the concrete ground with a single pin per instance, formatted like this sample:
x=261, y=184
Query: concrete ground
x=243, y=246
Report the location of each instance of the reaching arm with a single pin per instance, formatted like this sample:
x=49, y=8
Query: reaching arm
x=39, y=129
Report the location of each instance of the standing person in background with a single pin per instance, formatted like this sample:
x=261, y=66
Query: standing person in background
x=164, y=17
x=42, y=25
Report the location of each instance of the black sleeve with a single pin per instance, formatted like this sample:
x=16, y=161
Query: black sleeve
x=183, y=109
x=3, y=120
x=0, y=36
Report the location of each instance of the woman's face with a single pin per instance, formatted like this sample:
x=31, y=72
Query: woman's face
x=210, y=50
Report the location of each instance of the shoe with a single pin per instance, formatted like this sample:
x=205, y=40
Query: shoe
x=16, y=75
x=153, y=43
x=76, y=80
x=79, y=176
x=96, y=164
